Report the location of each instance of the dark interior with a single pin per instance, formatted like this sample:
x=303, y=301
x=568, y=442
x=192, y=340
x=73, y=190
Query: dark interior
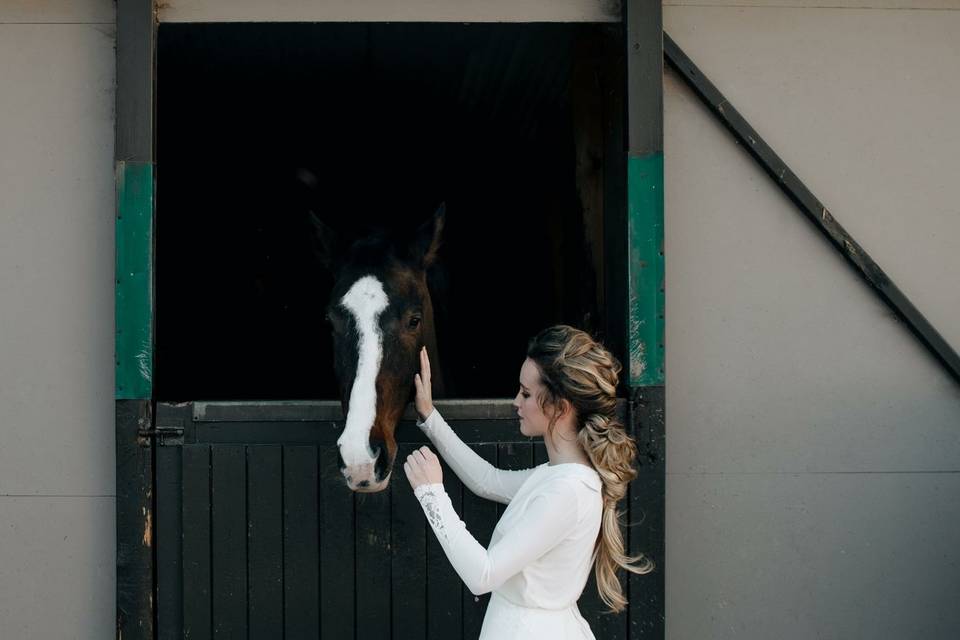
x=390, y=120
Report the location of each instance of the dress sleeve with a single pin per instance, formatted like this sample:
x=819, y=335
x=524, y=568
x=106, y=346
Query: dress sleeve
x=548, y=519
x=481, y=477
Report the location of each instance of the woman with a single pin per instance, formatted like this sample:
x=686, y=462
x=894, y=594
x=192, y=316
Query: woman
x=561, y=517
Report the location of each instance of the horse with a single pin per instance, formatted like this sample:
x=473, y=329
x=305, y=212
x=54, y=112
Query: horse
x=380, y=313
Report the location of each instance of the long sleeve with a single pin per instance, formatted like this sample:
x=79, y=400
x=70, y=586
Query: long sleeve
x=550, y=516
x=481, y=477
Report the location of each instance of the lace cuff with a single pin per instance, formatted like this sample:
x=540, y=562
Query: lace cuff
x=430, y=496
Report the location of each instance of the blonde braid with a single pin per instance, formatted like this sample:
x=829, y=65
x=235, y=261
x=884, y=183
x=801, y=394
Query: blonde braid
x=576, y=367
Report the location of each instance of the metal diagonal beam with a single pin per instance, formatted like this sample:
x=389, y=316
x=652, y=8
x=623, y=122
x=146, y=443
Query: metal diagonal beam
x=811, y=207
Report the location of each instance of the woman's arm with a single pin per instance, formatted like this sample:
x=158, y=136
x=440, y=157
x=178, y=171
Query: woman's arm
x=548, y=519
x=481, y=477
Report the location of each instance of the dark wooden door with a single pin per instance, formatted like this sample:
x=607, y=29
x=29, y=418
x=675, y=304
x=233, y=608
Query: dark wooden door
x=258, y=537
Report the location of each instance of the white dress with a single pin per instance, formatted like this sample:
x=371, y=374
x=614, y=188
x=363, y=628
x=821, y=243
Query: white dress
x=541, y=551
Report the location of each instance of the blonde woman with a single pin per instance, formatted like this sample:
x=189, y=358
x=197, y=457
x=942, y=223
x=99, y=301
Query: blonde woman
x=561, y=518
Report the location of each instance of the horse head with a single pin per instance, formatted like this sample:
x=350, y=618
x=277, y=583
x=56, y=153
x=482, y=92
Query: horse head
x=380, y=314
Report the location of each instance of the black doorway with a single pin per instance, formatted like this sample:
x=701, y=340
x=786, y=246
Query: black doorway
x=391, y=120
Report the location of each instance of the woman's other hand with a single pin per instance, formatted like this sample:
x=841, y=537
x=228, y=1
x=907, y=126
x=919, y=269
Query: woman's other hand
x=423, y=467
x=424, y=399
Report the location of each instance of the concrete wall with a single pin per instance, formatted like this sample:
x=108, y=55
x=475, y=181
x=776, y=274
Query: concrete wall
x=813, y=482
x=57, y=495
x=813, y=446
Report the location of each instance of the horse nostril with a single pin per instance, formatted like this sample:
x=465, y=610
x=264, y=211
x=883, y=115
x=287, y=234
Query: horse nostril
x=377, y=447
x=364, y=483
x=380, y=467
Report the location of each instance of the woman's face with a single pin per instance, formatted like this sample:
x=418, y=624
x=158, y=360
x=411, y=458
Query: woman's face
x=533, y=421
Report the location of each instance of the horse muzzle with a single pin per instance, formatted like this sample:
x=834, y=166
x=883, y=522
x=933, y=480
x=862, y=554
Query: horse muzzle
x=367, y=477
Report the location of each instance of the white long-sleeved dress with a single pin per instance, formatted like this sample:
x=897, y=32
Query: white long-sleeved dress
x=541, y=551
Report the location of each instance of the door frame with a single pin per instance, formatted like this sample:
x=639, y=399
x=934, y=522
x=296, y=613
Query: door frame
x=634, y=234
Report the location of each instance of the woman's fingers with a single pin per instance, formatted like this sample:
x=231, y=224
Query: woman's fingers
x=425, y=363
x=421, y=456
x=422, y=466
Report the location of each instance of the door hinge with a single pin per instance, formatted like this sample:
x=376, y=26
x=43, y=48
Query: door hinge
x=166, y=435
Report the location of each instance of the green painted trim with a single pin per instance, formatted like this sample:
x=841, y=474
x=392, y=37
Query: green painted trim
x=645, y=310
x=134, y=281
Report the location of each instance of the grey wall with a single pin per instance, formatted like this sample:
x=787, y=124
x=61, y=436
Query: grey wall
x=57, y=496
x=813, y=447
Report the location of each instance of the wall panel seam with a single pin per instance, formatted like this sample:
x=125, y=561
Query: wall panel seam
x=810, y=473
x=818, y=8
x=55, y=495
x=3, y=24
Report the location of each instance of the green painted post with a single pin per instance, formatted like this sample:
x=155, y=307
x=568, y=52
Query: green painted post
x=645, y=348
x=133, y=350
x=645, y=269
x=134, y=282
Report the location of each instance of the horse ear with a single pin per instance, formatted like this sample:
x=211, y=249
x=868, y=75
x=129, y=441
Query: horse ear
x=326, y=242
x=427, y=242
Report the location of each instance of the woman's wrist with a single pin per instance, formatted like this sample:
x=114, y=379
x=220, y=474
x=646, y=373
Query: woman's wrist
x=424, y=416
x=425, y=487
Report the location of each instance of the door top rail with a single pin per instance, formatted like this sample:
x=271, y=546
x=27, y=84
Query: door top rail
x=323, y=410
x=388, y=11
x=330, y=410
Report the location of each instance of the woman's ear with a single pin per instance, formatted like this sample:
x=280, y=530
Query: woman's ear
x=561, y=408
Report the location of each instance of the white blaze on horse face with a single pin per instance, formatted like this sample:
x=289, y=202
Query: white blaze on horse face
x=366, y=300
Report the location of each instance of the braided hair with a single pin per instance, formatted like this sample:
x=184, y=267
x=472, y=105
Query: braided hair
x=575, y=367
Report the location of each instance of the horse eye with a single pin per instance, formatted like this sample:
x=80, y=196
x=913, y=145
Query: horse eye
x=414, y=322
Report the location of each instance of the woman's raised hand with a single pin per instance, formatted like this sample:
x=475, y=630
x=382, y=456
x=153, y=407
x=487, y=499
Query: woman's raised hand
x=424, y=399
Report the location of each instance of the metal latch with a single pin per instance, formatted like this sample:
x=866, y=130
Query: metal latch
x=166, y=435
